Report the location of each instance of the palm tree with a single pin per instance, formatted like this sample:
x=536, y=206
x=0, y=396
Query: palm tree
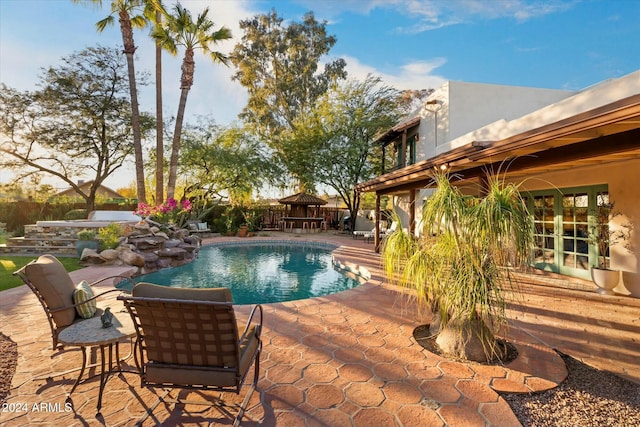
x=461, y=264
x=153, y=11
x=124, y=10
x=181, y=30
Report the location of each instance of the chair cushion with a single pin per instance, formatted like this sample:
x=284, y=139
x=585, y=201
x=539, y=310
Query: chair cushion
x=82, y=293
x=193, y=227
x=149, y=290
x=53, y=282
x=202, y=226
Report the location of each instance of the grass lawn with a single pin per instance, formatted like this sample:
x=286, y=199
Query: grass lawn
x=9, y=264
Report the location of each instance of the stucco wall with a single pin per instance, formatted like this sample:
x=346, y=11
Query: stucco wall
x=623, y=179
x=463, y=107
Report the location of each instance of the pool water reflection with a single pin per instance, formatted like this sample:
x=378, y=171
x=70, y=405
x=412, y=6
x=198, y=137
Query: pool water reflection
x=259, y=273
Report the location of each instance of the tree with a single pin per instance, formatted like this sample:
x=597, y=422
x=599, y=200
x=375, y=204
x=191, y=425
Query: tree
x=77, y=125
x=348, y=120
x=462, y=262
x=182, y=30
x=153, y=11
x=278, y=65
x=123, y=9
x=224, y=163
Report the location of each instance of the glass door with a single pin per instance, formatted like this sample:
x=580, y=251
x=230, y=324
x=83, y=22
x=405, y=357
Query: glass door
x=561, y=229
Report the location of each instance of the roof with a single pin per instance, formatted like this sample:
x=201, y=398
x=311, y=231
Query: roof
x=302, y=199
x=569, y=137
x=86, y=186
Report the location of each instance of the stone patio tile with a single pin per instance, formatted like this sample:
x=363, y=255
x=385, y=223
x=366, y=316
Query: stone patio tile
x=364, y=394
x=373, y=417
x=459, y=415
x=324, y=396
x=364, y=370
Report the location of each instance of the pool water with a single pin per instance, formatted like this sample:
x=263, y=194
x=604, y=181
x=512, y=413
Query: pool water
x=259, y=273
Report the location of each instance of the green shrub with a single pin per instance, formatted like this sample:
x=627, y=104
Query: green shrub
x=110, y=235
x=86, y=234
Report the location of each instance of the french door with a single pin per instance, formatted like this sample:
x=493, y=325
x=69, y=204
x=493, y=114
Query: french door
x=562, y=221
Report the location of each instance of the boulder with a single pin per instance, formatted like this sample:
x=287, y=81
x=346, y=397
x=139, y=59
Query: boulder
x=177, y=253
x=91, y=256
x=109, y=254
x=132, y=258
x=172, y=243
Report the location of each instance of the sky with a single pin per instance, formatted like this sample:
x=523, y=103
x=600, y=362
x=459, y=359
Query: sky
x=410, y=44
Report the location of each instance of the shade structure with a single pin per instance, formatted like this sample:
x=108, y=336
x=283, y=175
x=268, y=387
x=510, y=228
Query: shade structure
x=300, y=203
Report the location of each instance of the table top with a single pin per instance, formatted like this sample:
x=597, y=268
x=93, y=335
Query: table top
x=90, y=332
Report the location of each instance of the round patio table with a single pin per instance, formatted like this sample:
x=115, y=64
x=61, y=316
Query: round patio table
x=90, y=333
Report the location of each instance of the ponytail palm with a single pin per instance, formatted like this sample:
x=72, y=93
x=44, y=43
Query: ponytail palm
x=461, y=263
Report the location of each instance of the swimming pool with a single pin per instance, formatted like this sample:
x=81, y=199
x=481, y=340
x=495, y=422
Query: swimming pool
x=261, y=273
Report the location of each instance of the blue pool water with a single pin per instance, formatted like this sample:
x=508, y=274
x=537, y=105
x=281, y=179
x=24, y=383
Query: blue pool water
x=259, y=273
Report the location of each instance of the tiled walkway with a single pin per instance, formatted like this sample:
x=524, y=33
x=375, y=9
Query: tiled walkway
x=345, y=359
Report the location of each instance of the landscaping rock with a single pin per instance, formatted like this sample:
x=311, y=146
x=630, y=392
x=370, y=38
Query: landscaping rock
x=109, y=254
x=132, y=258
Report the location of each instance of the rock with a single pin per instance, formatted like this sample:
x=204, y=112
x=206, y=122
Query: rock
x=162, y=234
x=142, y=225
x=187, y=247
x=172, y=243
x=145, y=243
x=177, y=253
x=163, y=262
x=91, y=256
x=109, y=254
x=132, y=258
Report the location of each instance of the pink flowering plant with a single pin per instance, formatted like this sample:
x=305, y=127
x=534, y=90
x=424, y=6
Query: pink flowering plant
x=170, y=212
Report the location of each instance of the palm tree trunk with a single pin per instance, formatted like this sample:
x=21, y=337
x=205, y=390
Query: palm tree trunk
x=175, y=145
x=186, y=80
x=159, y=124
x=129, y=50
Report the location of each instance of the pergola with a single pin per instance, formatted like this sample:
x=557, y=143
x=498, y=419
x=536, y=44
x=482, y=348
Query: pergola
x=299, y=204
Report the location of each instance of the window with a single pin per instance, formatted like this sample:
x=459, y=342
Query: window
x=561, y=228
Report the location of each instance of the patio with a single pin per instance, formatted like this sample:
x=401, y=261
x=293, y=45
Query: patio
x=344, y=359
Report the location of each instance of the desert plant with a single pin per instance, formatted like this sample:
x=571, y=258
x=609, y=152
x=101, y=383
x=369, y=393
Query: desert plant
x=461, y=264
x=110, y=235
x=86, y=234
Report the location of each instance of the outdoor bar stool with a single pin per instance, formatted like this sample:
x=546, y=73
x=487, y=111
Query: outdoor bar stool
x=314, y=227
x=305, y=226
x=324, y=226
x=290, y=225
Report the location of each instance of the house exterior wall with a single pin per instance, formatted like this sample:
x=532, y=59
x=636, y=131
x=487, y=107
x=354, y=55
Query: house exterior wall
x=464, y=107
x=618, y=176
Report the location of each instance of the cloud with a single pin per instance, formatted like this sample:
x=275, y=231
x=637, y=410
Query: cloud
x=428, y=15
x=412, y=75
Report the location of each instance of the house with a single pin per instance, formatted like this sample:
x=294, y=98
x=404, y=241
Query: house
x=85, y=186
x=568, y=149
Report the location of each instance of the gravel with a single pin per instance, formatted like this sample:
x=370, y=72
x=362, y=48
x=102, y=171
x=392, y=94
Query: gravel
x=587, y=398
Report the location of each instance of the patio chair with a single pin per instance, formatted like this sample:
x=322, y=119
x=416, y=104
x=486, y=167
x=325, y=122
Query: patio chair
x=54, y=288
x=188, y=339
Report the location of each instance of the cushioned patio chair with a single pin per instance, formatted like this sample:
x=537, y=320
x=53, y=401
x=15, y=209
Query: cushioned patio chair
x=188, y=339
x=64, y=301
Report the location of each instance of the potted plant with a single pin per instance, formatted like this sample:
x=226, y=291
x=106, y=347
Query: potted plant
x=461, y=264
x=86, y=239
x=602, y=237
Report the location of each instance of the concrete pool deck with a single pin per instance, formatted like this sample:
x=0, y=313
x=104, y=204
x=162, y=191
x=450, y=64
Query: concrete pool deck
x=340, y=360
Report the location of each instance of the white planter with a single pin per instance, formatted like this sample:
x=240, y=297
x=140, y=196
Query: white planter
x=605, y=279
